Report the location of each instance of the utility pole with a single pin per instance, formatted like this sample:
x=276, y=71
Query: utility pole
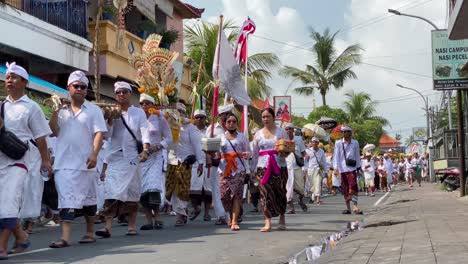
x=461, y=141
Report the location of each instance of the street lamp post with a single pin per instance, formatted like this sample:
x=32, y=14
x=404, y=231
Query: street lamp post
x=398, y=13
x=428, y=131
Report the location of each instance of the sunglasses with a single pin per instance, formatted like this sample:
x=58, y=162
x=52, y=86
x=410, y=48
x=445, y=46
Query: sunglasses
x=145, y=103
x=79, y=86
x=122, y=92
x=200, y=117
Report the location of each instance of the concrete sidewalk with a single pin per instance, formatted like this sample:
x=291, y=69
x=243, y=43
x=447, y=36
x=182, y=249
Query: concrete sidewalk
x=419, y=225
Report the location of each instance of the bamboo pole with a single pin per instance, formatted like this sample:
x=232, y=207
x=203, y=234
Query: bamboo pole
x=196, y=85
x=97, y=58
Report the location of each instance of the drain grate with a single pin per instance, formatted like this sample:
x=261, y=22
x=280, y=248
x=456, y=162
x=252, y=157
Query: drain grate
x=388, y=223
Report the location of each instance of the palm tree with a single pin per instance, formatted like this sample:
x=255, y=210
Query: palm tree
x=329, y=69
x=360, y=107
x=201, y=40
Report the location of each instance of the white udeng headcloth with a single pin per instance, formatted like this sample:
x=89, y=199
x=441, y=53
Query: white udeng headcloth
x=16, y=69
x=146, y=97
x=122, y=85
x=78, y=76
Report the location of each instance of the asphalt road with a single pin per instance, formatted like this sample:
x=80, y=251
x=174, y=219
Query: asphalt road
x=199, y=241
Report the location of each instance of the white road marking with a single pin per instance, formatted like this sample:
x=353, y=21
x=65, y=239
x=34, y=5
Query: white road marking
x=381, y=199
x=31, y=252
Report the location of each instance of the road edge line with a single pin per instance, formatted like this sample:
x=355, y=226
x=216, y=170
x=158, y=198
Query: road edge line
x=381, y=199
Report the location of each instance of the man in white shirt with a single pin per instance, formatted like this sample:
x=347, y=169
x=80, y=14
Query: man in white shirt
x=218, y=131
x=368, y=166
x=346, y=161
x=316, y=169
x=296, y=181
x=200, y=185
x=21, y=184
x=183, y=153
x=122, y=183
x=388, y=166
x=75, y=160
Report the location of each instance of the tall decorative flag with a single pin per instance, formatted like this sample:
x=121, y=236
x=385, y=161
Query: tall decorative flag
x=241, y=55
x=227, y=72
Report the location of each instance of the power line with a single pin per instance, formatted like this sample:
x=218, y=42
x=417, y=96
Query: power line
x=372, y=20
x=397, y=70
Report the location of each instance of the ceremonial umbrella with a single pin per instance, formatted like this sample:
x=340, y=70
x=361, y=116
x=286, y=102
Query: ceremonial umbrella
x=336, y=133
x=316, y=131
x=327, y=122
x=369, y=147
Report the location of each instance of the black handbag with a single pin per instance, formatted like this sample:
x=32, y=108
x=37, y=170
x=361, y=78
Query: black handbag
x=349, y=162
x=299, y=160
x=139, y=144
x=10, y=144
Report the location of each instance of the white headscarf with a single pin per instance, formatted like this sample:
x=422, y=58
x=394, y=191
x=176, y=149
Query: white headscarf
x=78, y=76
x=146, y=97
x=181, y=107
x=122, y=85
x=199, y=112
x=18, y=70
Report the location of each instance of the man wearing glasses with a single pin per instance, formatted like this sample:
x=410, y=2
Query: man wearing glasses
x=122, y=185
x=79, y=129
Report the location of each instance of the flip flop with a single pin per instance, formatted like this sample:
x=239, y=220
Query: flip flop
x=235, y=227
x=179, y=222
x=303, y=206
x=19, y=248
x=194, y=215
x=104, y=233
x=281, y=227
x=265, y=230
x=131, y=233
x=3, y=252
x=61, y=243
x=290, y=212
x=87, y=240
x=147, y=227
x=158, y=225
x=346, y=212
x=358, y=212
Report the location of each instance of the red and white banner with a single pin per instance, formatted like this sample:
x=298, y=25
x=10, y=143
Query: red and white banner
x=241, y=47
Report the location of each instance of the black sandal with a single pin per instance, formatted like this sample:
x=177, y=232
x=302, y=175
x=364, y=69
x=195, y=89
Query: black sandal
x=158, y=225
x=346, y=211
x=358, y=212
x=147, y=227
x=104, y=233
x=61, y=243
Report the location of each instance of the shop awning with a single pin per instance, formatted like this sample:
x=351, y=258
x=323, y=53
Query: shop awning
x=38, y=84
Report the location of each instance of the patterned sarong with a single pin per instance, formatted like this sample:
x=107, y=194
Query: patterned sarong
x=231, y=188
x=349, y=185
x=273, y=193
x=178, y=181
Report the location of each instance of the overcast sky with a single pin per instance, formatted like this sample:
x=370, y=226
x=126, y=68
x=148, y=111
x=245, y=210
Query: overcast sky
x=390, y=41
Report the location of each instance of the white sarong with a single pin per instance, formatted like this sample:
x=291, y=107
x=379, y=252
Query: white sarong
x=12, y=181
x=34, y=185
x=315, y=180
x=75, y=188
x=199, y=183
x=122, y=180
x=216, y=193
x=152, y=175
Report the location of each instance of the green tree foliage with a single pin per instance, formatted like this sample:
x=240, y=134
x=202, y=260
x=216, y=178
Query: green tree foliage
x=329, y=68
x=335, y=113
x=298, y=121
x=360, y=107
x=367, y=132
